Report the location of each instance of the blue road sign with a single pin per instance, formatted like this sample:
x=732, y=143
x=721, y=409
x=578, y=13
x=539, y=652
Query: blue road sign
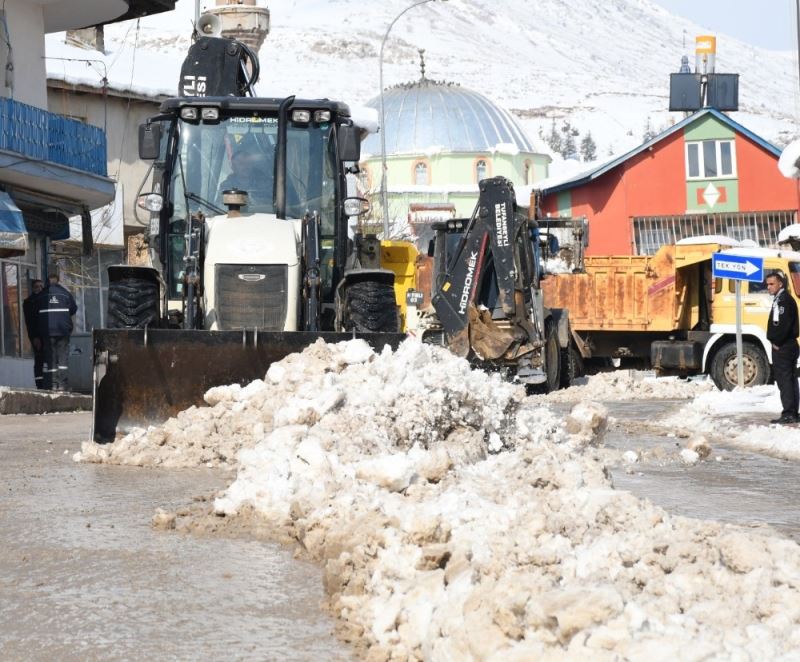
x=737, y=267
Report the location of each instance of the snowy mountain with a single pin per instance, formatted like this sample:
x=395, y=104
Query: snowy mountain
x=602, y=64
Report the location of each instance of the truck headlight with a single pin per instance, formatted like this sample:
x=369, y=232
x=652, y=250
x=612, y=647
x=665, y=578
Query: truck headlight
x=322, y=116
x=189, y=113
x=301, y=116
x=211, y=114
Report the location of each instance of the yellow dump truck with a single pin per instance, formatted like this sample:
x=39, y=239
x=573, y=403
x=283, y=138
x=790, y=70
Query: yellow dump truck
x=666, y=311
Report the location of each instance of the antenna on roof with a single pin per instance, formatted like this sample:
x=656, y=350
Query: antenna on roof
x=705, y=88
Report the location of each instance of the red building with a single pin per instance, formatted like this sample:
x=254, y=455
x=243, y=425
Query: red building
x=705, y=175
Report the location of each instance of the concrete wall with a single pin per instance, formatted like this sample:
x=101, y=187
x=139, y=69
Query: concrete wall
x=26, y=34
x=121, y=124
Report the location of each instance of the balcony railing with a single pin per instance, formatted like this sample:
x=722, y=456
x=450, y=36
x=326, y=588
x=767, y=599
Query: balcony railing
x=44, y=136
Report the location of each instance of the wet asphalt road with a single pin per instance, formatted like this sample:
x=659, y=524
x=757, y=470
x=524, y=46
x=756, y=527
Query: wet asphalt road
x=84, y=576
x=741, y=488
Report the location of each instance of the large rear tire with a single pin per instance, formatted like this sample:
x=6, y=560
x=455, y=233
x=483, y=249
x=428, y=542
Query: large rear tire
x=133, y=303
x=552, y=363
x=571, y=366
x=370, y=307
x=754, y=362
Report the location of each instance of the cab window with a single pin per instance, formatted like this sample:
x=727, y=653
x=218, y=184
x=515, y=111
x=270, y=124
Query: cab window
x=794, y=275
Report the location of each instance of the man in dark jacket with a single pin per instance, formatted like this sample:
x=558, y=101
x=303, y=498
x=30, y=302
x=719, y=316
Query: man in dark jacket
x=782, y=331
x=31, y=326
x=55, y=308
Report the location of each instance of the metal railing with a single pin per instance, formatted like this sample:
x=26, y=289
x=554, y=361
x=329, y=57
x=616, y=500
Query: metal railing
x=40, y=135
x=652, y=232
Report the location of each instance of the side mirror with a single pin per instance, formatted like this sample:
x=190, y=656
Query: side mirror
x=149, y=141
x=356, y=206
x=349, y=143
x=152, y=202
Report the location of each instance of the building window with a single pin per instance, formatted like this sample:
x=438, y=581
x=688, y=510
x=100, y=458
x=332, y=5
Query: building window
x=16, y=275
x=651, y=232
x=710, y=159
x=526, y=173
x=421, y=173
x=481, y=170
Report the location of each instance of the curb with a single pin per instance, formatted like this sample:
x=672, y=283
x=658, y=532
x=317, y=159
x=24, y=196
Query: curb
x=19, y=401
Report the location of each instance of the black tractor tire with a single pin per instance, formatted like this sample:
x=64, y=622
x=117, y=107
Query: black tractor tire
x=552, y=363
x=755, y=364
x=370, y=307
x=133, y=303
x=571, y=366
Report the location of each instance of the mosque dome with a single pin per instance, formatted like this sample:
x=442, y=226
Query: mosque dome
x=429, y=115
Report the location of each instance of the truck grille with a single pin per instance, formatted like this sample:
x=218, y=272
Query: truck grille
x=251, y=295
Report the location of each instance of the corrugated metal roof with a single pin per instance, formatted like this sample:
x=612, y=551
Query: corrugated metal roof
x=603, y=168
x=428, y=115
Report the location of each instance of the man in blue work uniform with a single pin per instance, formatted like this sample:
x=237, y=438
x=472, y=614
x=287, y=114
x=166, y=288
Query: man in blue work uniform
x=783, y=329
x=32, y=327
x=55, y=308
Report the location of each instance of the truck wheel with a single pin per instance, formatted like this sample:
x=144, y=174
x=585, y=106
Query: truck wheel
x=370, y=307
x=571, y=366
x=133, y=303
x=754, y=362
x=552, y=364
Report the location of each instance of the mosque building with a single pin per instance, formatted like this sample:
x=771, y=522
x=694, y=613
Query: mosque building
x=441, y=140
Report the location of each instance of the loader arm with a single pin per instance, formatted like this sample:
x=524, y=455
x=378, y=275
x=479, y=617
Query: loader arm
x=494, y=255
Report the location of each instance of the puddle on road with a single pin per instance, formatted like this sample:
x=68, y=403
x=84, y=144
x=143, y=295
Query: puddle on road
x=744, y=488
x=83, y=575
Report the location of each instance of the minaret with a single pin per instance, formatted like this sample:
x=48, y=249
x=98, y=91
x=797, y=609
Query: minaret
x=243, y=20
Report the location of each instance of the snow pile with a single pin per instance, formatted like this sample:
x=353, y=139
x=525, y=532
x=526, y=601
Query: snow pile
x=457, y=519
x=437, y=546
x=630, y=385
x=727, y=416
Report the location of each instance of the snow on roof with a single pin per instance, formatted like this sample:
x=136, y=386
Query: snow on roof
x=787, y=164
x=365, y=118
x=138, y=71
x=789, y=232
x=763, y=252
x=722, y=240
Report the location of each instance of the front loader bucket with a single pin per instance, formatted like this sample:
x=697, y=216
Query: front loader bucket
x=144, y=376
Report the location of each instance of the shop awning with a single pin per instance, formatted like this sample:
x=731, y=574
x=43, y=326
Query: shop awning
x=13, y=233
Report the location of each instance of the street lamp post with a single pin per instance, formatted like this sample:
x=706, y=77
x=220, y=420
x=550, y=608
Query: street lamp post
x=384, y=199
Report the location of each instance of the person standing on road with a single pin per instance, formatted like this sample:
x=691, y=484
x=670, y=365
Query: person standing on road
x=32, y=328
x=782, y=331
x=54, y=311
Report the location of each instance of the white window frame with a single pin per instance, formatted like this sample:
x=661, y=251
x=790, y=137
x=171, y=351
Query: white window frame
x=718, y=156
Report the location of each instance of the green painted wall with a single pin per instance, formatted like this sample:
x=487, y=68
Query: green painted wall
x=727, y=188
x=446, y=170
x=708, y=128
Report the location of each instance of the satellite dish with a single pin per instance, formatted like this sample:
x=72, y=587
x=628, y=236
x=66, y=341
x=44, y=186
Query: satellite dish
x=209, y=25
x=789, y=163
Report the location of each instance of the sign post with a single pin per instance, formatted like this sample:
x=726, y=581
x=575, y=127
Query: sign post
x=738, y=268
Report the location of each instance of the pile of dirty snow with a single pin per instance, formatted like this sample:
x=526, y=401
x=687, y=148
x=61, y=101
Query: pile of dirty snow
x=740, y=418
x=457, y=519
x=630, y=385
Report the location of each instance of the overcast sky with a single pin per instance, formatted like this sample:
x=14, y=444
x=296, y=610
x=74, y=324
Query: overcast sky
x=766, y=23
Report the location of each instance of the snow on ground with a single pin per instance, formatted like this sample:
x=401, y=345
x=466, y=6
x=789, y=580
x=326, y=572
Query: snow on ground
x=630, y=385
x=724, y=415
x=457, y=519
